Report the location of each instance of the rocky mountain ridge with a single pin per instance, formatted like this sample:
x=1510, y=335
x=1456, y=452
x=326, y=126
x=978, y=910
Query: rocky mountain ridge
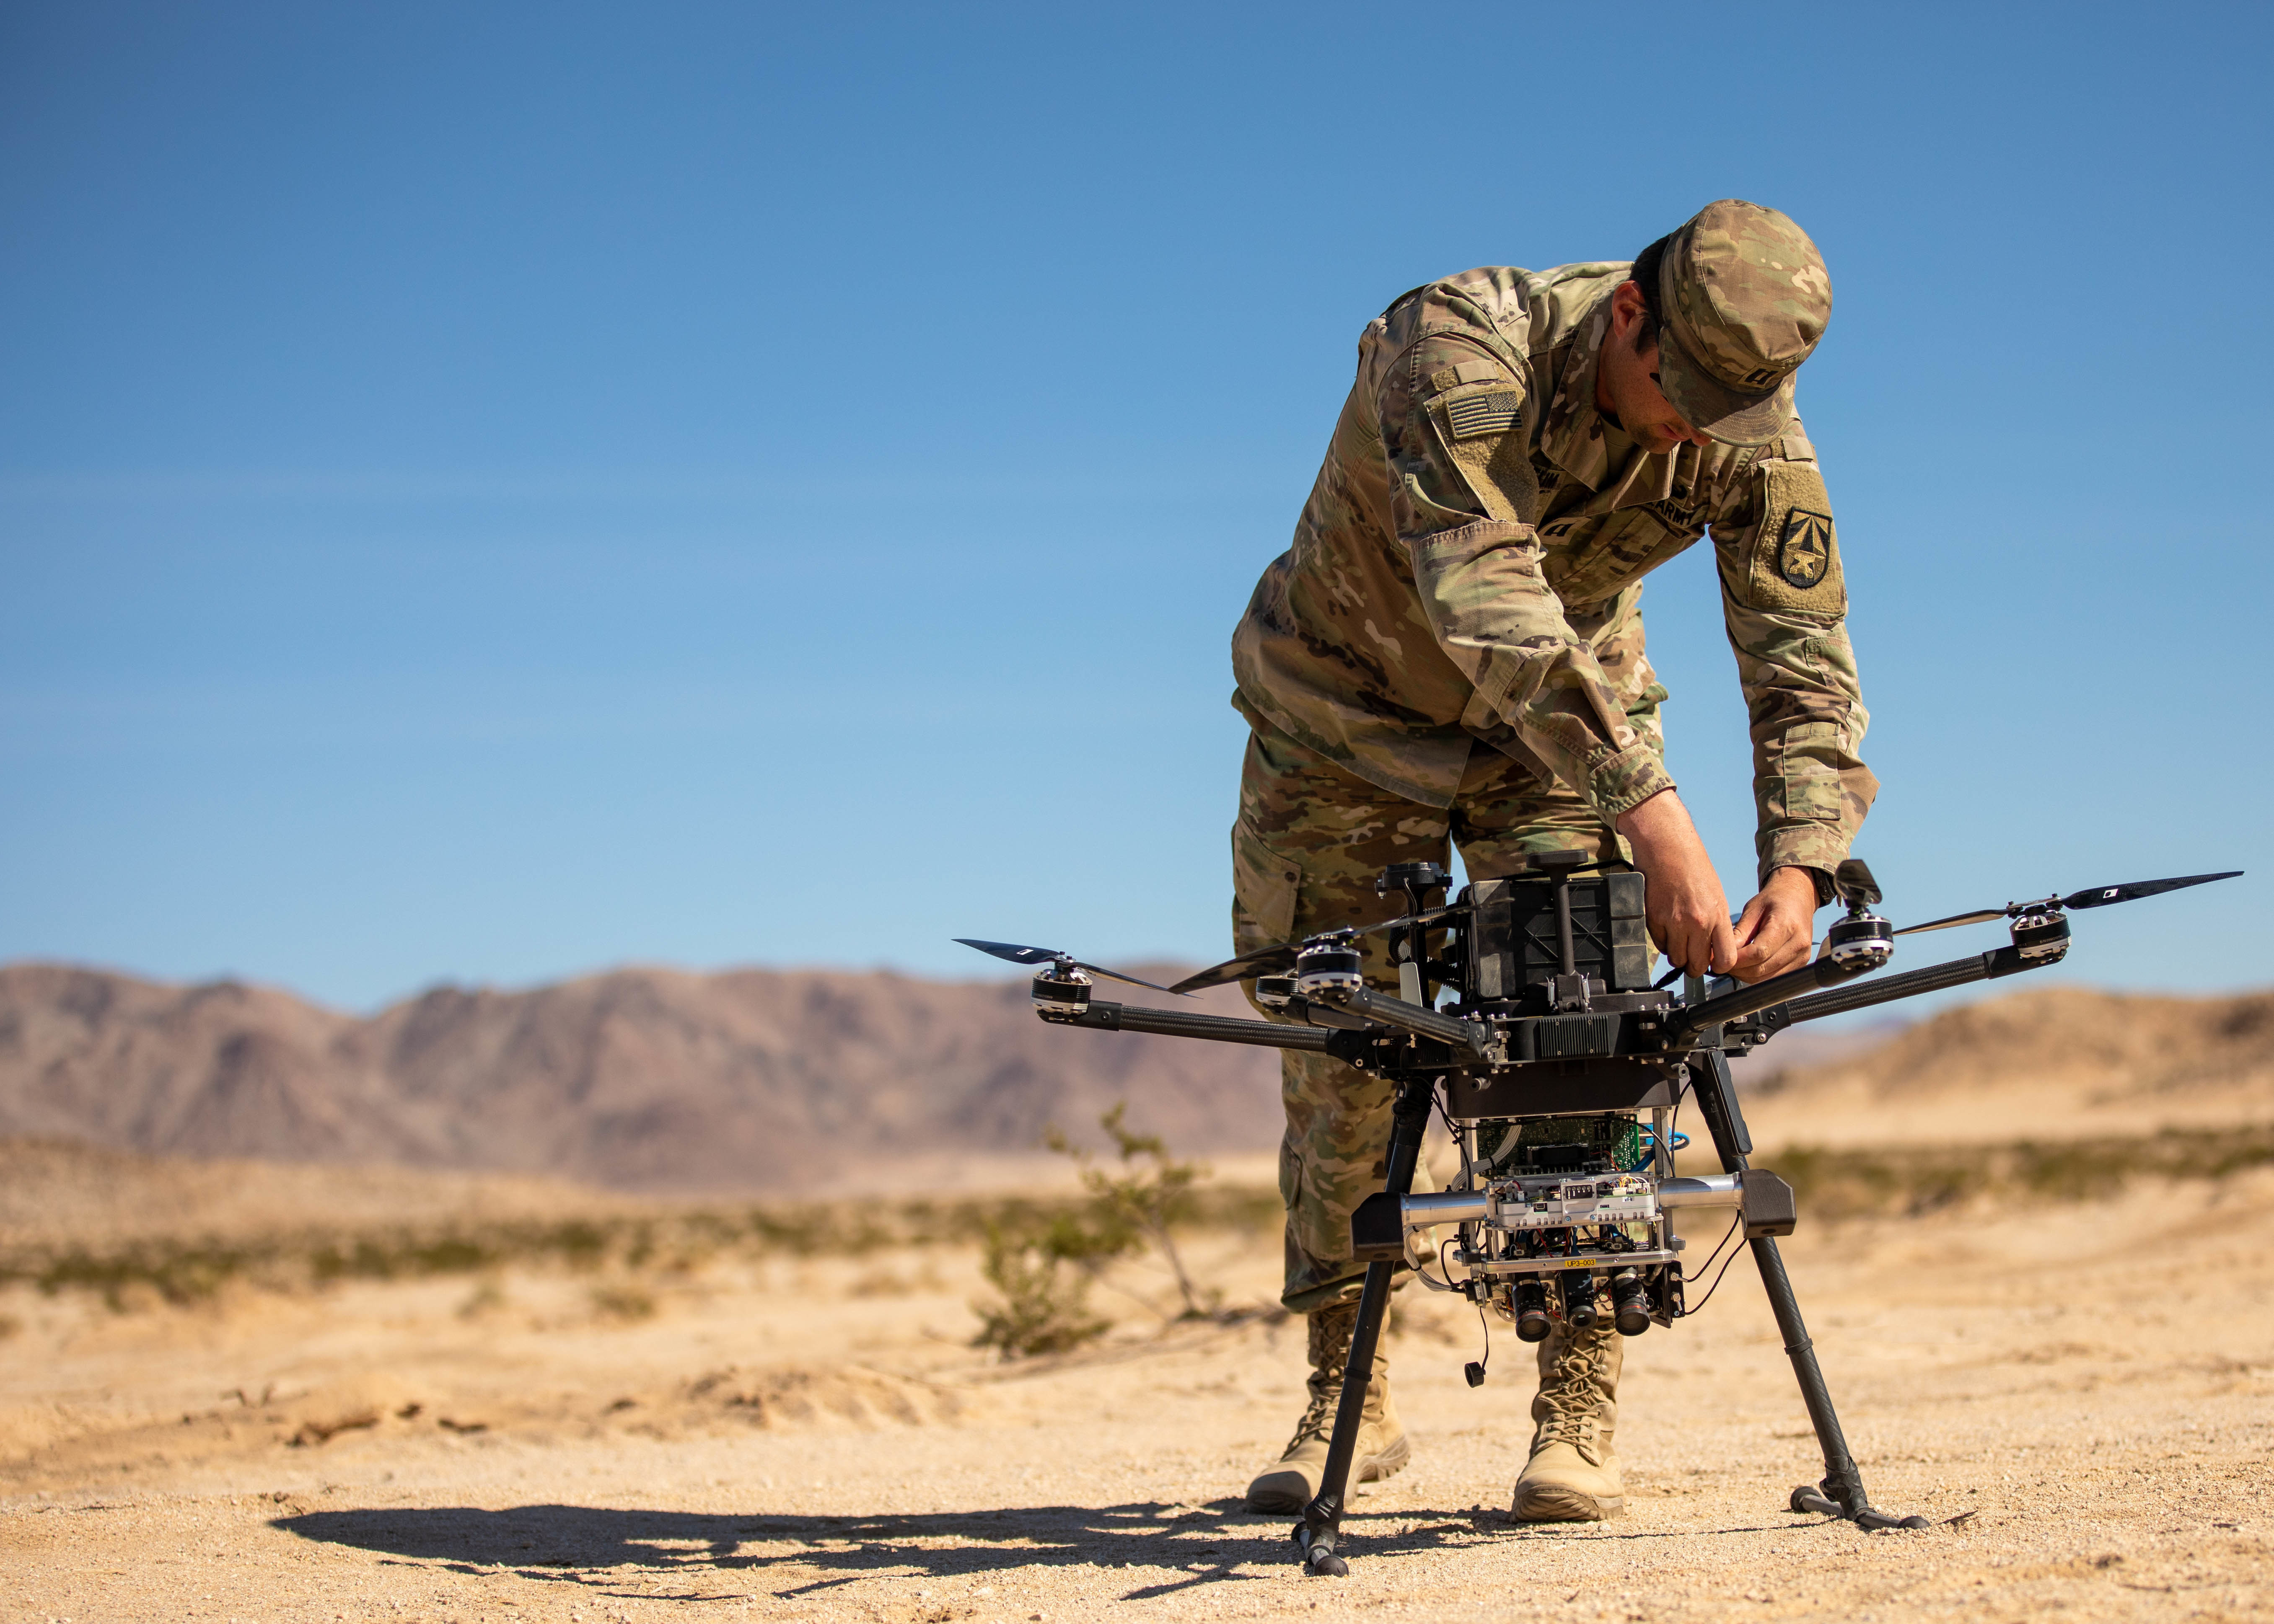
x=638, y=1078
x=790, y=1081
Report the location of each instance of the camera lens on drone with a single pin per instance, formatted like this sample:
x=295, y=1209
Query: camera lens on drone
x=1629, y=1303
x=1579, y=1300
x=1530, y=1311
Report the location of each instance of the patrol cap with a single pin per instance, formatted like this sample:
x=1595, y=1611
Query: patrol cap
x=1743, y=296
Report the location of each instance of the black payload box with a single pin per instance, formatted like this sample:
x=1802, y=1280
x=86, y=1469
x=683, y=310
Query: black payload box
x=1519, y=942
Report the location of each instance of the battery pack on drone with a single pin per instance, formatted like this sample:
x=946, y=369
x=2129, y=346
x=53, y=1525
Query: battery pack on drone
x=1524, y=927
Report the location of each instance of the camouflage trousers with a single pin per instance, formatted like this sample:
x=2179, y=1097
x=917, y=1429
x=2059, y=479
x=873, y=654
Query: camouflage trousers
x=1310, y=842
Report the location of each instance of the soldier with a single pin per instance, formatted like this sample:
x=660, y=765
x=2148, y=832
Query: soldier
x=1452, y=649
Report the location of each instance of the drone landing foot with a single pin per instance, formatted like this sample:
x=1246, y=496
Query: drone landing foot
x=1812, y=1500
x=1841, y=1493
x=1321, y=1526
x=1316, y=1534
x=1318, y=1548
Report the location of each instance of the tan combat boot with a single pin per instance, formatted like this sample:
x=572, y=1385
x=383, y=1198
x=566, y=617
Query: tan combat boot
x=1573, y=1477
x=1381, y=1446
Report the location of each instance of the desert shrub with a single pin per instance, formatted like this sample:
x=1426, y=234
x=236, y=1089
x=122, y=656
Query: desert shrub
x=2240, y=1157
x=2074, y=1172
x=1044, y=1304
x=145, y=1274
x=1915, y=1179
x=1138, y=1205
x=621, y=1300
x=1042, y=1258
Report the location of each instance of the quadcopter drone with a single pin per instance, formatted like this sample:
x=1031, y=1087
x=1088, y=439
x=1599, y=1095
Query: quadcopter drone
x=1527, y=1014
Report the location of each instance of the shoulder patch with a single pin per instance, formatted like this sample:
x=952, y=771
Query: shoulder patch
x=1796, y=553
x=1482, y=432
x=1805, y=550
x=1467, y=372
x=1468, y=416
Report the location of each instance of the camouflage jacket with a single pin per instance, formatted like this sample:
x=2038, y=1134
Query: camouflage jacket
x=1469, y=563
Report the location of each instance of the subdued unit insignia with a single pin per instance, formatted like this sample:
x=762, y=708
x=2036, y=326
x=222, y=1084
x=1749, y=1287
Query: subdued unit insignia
x=1791, y=560
x=1471, y=415
x=1805, y=552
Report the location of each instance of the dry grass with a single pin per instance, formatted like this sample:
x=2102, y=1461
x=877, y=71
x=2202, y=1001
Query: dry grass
x=663, y=1242
x=1909, y=1180
x=622, y=1248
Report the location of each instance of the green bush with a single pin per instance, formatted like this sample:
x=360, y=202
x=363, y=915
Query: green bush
x=1045, y=1293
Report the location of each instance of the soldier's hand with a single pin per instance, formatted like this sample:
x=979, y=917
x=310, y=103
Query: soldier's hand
x=1689, y=914
x=1777, y=928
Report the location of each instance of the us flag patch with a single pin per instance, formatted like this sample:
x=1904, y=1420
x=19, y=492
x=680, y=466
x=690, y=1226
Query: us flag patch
x=1472, y=414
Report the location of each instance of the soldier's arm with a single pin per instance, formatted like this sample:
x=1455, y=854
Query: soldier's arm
x=1454, y=416
x=1785, y=601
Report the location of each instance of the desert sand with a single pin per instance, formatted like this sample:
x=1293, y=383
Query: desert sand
x=2080, y=1395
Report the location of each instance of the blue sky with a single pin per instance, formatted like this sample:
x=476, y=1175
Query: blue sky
x=492, y=493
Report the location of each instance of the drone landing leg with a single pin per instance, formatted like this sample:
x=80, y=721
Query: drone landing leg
x=1315, y=1536
x=1841, y=1493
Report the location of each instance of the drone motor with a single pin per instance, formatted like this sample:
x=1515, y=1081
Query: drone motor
x=1328, y=970
x=2041, y=934
x=1862, y=939
x=1060, y=990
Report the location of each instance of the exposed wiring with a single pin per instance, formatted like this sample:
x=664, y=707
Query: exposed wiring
x=1675, y=1138
x=1736, y=1225
x=1675, y=1141
x=1711, y=1256
x=1423, y=1274
x=1687, y=1310
x=1468, y=1168
x=1484, y=1324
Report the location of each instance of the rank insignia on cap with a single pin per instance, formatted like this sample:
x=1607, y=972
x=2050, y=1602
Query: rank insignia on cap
x=1806, y=551
x=1471, y=415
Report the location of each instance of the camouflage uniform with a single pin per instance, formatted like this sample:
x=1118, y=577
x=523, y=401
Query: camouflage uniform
x=1468, y=571
x=1311, y=838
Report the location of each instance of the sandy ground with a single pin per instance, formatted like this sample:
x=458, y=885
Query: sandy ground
x=2082, y=1397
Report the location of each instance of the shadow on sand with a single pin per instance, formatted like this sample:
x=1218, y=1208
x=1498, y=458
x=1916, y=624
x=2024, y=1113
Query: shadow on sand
x=807, y=1555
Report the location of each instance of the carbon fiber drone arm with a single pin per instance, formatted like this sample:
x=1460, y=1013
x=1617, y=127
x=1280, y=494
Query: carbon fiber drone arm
x=1464, y=1036
x=1910, y=983
x=1760, y=996
x=1103, y=1017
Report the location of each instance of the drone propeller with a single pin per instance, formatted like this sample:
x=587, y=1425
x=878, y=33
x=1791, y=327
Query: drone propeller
x=1016, y=954
x=1980, y=916
x=2099, y=897
x=1280, y=959
x=2137, y=889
